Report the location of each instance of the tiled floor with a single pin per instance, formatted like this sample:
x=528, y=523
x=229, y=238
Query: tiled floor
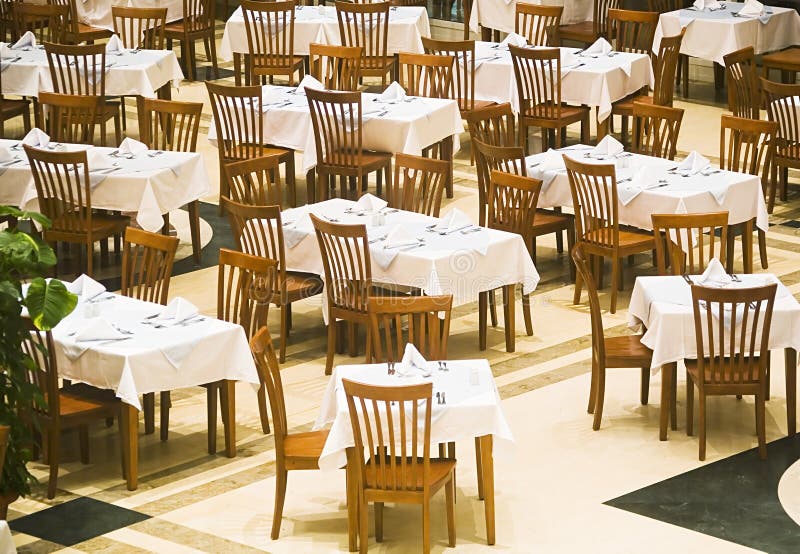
x=563, y=488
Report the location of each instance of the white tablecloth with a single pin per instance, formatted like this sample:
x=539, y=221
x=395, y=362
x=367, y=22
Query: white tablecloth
x=154, y=359
x=598, y=83
x=664, y=306
x=407, y=127
x=445, y=264
x=740, y=193
x=129, y=74
x=712, y=35
x=500, y=14
x=6, y=541
x=407, y=24
x=148, y=185
x=472, y=408
x=97, y=13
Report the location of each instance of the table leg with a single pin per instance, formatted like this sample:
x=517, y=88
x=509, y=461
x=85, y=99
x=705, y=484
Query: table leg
x=602, y=126
x=509, y=303
x=165, y=91
x=229, y=417
x=130, y=425
x=486, y=34
x=666, y=401
x=483, y=305
x=487, y=465
x=747, y=246
x=352, y=499
x=479, y=467
x=237, y=69
x=467, y=7
x=790, y=356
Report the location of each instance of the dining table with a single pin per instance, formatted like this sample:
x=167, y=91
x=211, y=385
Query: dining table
x=97, y=13
x=149, y=184
x=472, y=410
x=500, y=15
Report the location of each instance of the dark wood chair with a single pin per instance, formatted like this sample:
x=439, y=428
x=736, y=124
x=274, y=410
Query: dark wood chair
x=366, y=26
x=656, y=130
x=76, y=32
x=783, y=105
x=198, y=23
x=418, y=184
x=67, y=117
x=688, y=242
x=427, y=75
x=626, y=351
x=720, y=371
x=270, y=41
x=539, y=24
x=48, y=22
x=336, y=67
x=586, y=32
x=8, y=32
x=140, y=27
x=744, y=98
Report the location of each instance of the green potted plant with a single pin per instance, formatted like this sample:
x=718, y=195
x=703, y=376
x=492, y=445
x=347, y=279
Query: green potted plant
x=23, y=256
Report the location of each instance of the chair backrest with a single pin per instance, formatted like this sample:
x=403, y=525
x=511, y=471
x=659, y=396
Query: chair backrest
x=7, y=24
x=393, y=424
x=43, y=373
x=595, y=201
x=600, y=16
x=418, y=184
x=270, y=33
x=508, y=159
x=345, y=258
x=783, y=107
x=239, y=121
x=689, y=241
x=538, y=75
x=169, y=124
x=512, y=204
x=633, y=31
x=743, y=96
x=68, y=118
x=198, y=15
x=336, y=67
x=395, y=321
x=258, y=231
x=748, y=146
x=77, y=69
x=665, y=64
x=493, y=125
x=269, y=373
x=428, y=75
x=463, y=54
x=656, y=130
x=140, y=27
x=539, y=24
x=147, y=260
x=337, y=121
x=71, y=19
x=48, y=22
x=732, y=331
x=664, y=6
x=245, y=287
x=365, y=26
x=250, y=181
x=583, y=269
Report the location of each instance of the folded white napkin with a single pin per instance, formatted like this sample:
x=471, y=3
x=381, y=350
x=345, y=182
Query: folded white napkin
x=28, y=40
x=98, y=329
x=98, y=160
x=515, y=39
x=292, y=236
x=393, y=93
x=371, y=203
x=706, y=4
x=178, y=310
x=5, y=154
x=752, y=8
x=694, y=163
x=455, y=220
x=641, y=180
x=608, y=146
x=715, y=275
x=600, y=47
x=132, y=146
x=309, y=82
x=85, y=287
x=547, y=167
x=396, y=240
x=114, y=45
x=36, y=137
x=413, y=363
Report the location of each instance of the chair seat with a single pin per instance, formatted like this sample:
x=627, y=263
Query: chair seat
x=302, y=285
x=627, y=351
x=87, y=32
x=733, y=376
x=369, y=160
x=79, y=399
x=307, y=446
x=294, y=63
x=579, y=32
x=625, y=106
x=788, y=59
x=11, y=108
x=546, y=222
x=569, y=114
x=376, y=63
x=479, y=105
x=628, y=240
x=440, y=470
x=177, y=30
x=102, y=226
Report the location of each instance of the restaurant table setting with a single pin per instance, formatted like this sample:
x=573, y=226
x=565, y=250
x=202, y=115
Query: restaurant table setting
x=714, y=29
x=129, y=179
x=647, y=185
x=501, y=14
x=26, y=71
x=97, y=13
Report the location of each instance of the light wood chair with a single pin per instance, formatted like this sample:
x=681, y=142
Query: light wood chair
x=418, y=184
x=48, y=22
x=65, y=197
x=734, y=352
x=13, y=107
x=70, y=407
x=656, y=130
x=140, y=27
x=538, y=75
x=147, y=260
x=338, y=125
x=688, y=242
x=76, y=32
x=293, y=451
x=744, y=98
x=596, y=204
x=586, y=32
x=783, y=105
x=626, y=351
x=539, y=24
x=68, y=118
x=427, y=75
x=258, y=230
x=397, y=469
x=73, y=70
x=250, y=182
x=632, y=31
x=198, y=23
x=270, y=41
x=366, y=26
x=336, y=67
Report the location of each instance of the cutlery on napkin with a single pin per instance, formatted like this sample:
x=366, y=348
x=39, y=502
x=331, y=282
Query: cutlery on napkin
x=397, y=239
x=178, y=311
x=393, y=93
x=98, y=329
x=85, y=287
x=36, y=137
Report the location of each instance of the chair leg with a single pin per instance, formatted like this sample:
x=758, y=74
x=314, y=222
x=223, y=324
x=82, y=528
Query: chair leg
x=363, y=529
x=426, y=525
x=483, y=301
x=615, y=271
x=149, y=409
x=53, y=454
x=526, y=312
x=702, y=425
x=492, y=308
x=214, y=63
x=262, y=409
x=284, y=331
x=599, y=396
x=592, y=389
x=291, y=180
x=166, y=403
x=509, y=300
x=760, y=426
x=479, y=467
x=576, y=297
x=194, y=227
x=352, y=347
x=378, y=509
x=281, y=476
x=450, y=499
x=762, y=248
x=211, y=408
x=331, y=346
x=645, y=392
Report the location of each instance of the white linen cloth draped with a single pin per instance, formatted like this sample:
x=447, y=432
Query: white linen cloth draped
x=500, y=14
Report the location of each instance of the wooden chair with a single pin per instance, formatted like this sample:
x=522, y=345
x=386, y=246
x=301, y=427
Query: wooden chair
x=68, y=118
x=538, y=74
x=250, y=182
x=270, y=41
x=65, y=197
x=620, y=351
x=173, y=126
x=397, y=469
x=687, y=242
x=418, y=184
x=632, y=31
x=73, y=70
x=539, y=24
x=258, y=231
x=70, y=407
x=198, y=23
x=748, y=146
x=733, y=356
x=656, y=130
x=11, y=108
x=147, y=260
x=744, y=99
x=366, y=26
x=664, y=6
x=336, y=67
x=586, y=32
x=338, y=125
x=76, y=32
x=293, y=451
x=140, y=27
x=427, y=75
x=594, y=198
x=48, y=22
x=239, y=122
x=8, y=31
x=783, y=105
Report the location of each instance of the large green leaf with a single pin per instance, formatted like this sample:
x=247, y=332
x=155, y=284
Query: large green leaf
x=49, y=302
x=41, y=219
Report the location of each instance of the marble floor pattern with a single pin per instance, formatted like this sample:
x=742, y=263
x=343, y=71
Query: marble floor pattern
x=563, y=488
